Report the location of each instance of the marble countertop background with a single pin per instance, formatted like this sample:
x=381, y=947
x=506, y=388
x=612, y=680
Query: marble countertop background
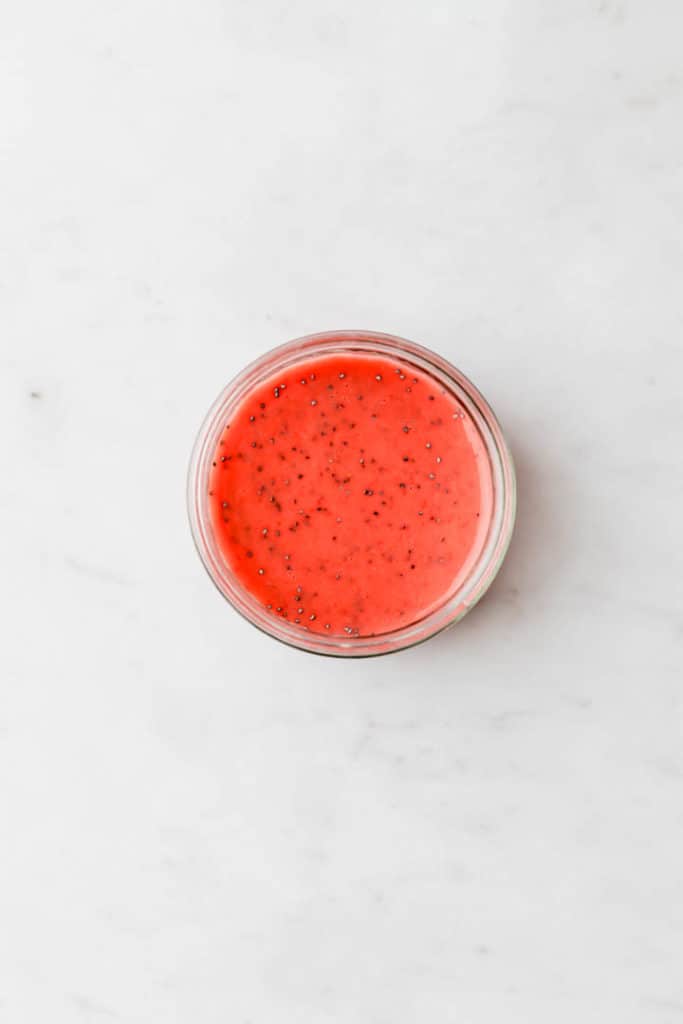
x=198, y=825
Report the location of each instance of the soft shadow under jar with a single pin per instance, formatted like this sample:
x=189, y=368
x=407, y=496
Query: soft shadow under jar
x=351, y=493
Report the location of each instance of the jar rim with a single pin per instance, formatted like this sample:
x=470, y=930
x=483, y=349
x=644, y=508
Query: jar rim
x=364, y=342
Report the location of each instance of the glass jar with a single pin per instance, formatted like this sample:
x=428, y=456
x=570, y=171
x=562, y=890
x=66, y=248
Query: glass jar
x=495, y=532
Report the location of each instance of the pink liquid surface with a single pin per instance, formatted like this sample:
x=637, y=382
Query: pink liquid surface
x=350, y=494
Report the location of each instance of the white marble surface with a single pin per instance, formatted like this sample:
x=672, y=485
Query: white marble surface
x=199, y=825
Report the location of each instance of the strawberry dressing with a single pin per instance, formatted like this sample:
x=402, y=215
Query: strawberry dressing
x=351, y=494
